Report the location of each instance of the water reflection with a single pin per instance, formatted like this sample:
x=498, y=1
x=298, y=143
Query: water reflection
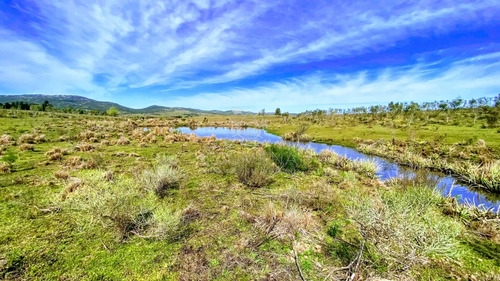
x=446, y=183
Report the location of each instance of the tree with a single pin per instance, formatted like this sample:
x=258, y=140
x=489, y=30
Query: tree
x=278, y=111
x=112, y=111
x=45, y=104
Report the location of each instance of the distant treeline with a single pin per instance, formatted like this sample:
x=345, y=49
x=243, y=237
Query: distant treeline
x=399, y=107
x=46, y=106
x=486, y=108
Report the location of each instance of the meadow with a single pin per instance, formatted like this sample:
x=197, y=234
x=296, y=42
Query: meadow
x=99, y=198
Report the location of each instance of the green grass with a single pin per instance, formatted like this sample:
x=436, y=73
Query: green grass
x=208, y=222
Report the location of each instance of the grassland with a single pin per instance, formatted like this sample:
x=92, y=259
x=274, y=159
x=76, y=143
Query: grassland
x=99, y=198
x=460, y=143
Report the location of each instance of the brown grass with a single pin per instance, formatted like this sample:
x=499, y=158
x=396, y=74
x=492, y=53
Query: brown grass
x=6, y=139
x=4, y=168
x=26, y=146
x=61, y=174
x=123, y=141
x=56, y=153
x=74, y=161
x=85, y=147
x=73, y=184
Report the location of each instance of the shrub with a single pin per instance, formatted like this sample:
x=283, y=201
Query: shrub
x=254, y=169
x=40, y=138
x=286, y=157
x=161, y=179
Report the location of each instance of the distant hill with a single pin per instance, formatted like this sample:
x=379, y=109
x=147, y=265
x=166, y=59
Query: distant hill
x=63, y=101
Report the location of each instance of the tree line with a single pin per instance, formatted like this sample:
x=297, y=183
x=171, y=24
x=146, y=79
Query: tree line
x=47, y=106
x=487, y=108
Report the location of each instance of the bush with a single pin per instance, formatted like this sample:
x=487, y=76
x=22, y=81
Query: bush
x=286, y=157
x=161, y=179
x=254, y=169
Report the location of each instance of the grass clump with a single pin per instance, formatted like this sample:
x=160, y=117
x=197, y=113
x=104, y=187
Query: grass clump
x=254, y=168
x=286, y=157
x=487, y=175
x=161, y=178
x=403, y=229
x=4, y=168
x=6, y=140
x=365, y=167
x=122, y=206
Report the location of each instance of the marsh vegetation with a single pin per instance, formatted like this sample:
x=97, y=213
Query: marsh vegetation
x=96, y=197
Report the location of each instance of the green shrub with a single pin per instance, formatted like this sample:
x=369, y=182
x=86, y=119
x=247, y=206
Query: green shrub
x=286, y=157
x=254, y=169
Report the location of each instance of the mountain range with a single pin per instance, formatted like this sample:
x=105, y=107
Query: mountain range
x=79, y=102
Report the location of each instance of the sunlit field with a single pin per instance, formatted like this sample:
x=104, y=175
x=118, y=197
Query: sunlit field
x=96, y=197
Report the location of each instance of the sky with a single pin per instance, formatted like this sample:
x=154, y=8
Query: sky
x=251, y=55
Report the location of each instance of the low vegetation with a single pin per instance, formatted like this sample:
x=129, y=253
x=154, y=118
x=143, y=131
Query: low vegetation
x=82, y=205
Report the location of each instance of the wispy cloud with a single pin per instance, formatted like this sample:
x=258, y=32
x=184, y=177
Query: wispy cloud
x=113, y=48
x=463, y=78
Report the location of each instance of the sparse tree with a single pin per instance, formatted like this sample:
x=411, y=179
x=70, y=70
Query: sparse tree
x=112, y=111
x=278, y=111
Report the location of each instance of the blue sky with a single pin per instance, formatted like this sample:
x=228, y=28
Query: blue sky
x=218, y=54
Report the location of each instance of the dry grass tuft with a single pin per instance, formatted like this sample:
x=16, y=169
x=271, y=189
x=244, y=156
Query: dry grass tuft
x=123, y=141
x=254, y=168
x=85, y=147
x=73, y=184
x=161, y=179
x=74, y=161
x=26, y=138
x=61, y=174
x=285, y=224
x=4, y=168
x=56, y=153
x=26, y=147
x=6, y=140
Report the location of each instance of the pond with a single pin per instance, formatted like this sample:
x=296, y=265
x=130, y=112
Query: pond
x=388, y=169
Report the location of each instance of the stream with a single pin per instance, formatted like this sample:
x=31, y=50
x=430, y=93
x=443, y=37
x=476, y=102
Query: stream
x=388, y=169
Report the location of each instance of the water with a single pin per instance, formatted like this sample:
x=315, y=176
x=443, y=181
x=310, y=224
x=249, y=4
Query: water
x=388, y=169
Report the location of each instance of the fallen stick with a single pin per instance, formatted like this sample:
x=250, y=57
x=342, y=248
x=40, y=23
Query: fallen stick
x=298, y=266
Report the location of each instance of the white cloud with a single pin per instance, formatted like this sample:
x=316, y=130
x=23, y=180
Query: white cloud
x=145, y=43
x=342, y=91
